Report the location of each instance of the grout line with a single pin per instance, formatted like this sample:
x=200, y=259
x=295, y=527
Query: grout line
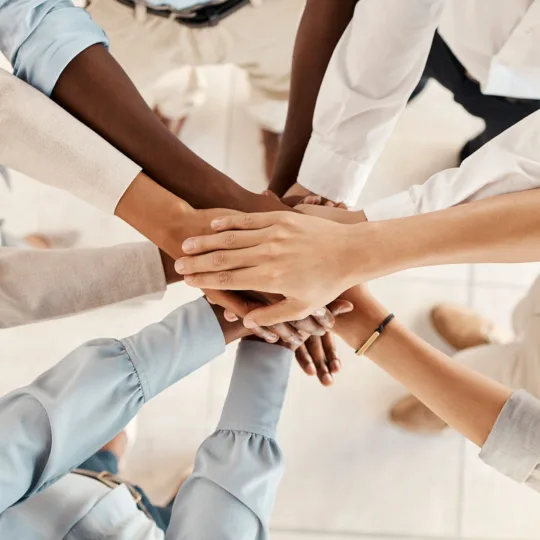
x=369, y=535
x=460, y=515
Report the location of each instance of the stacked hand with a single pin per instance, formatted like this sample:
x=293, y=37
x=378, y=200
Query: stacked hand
x=304, y=258
x=318, y=354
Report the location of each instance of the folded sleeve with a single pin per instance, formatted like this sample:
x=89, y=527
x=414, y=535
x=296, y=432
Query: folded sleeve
x=41, y=37
x=513, y=446
x=507, y=164
x=375, y=68
x=41, y=140
x=37, y=285
x=238, y=468
x=73, y=409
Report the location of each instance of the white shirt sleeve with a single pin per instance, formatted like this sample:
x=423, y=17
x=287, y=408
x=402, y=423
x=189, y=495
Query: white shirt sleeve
x=507, y=164
x=375, y=67
x=41, y=140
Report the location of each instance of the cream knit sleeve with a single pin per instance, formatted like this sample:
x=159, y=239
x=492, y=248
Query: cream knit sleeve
x=41, y=140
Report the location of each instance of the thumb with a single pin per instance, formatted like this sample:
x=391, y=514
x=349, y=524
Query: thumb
x=285, y=311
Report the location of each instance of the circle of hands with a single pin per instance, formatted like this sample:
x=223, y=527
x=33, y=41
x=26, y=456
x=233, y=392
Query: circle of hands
x=276, y=315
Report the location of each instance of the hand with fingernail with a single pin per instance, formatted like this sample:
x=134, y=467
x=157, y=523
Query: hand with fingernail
x=305, y=259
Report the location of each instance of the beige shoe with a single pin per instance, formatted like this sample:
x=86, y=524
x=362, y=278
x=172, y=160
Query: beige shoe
x=412, y=415
x=461, y=327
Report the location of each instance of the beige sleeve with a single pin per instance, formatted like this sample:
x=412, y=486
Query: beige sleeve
x=41, y=140
x=43, y=284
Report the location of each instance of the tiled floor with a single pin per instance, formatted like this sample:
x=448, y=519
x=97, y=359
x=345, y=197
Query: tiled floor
x=350, y=474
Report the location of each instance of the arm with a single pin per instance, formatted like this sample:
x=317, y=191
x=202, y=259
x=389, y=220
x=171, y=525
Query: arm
x=95, y=89
x=238, y=468
x=506, y=425
x=36, y=285
x=57, y=48
x=375, y=67
x=102, y=383
x=321, y=27
x=44, y=142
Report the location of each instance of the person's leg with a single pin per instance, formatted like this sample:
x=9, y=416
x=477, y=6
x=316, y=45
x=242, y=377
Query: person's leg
x=260, y=40
x=157, y=53
x=176, y=94
x=499, y=113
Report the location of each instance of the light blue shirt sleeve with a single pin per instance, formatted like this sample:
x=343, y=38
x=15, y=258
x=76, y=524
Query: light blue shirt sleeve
x=231, y=493
x=41, y=37
x=73, y=409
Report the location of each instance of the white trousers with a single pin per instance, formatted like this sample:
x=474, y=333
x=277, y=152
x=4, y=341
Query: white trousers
x=161, y=55
x=516, y=364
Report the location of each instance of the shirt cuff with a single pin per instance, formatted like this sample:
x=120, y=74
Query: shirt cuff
x=332, y=175
x=257, y=389
x=42, y=58
x=513, y=446
x=145, y=273
x=396, y=206
x=166, y=352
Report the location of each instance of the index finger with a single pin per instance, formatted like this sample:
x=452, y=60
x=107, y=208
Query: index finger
x=247, y=221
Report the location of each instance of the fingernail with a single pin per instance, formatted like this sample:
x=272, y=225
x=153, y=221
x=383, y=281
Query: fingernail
x=310, y=370
x=327, y=379
x=188, y=245
x=217, y=223
x=297, y=341
x=179, y=266
x=335, y=366
x=319, y=312
x=189, y=280
x=271, y=338
x=249, y=323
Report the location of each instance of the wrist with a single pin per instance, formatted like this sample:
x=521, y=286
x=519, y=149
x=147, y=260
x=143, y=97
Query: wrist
x=156, y=213
x=356, y=327
x=231, y=330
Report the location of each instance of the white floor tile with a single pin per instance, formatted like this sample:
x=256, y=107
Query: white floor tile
x=495, y=506
x=207, y=128
x=245, y=158
x=520, y=275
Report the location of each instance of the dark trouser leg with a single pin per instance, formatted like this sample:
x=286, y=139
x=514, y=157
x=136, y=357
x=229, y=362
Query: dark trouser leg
x=498, y=113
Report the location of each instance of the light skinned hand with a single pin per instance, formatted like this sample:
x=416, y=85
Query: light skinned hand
x=303, y=258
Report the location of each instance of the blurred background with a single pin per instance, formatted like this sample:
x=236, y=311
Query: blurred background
x=350, y=474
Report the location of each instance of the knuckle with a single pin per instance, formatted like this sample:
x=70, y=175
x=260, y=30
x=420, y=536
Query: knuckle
x=225, y=277
x=218, y=259
x=230, y=238
x=247, y=221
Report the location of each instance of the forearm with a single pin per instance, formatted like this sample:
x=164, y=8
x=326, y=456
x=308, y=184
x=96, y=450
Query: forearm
x=102, y=383
x=466, y=400
x=95, y=89
x=238, y=468
x=499, y=229
x=321, y=27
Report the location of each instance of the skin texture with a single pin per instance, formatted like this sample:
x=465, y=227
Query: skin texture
x=464, y=399
x=96, y=90
x=289, y=254
x=321, y=27
x=282, y=252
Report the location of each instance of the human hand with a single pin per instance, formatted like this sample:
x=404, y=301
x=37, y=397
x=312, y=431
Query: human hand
x=293, y=334
x=317, y=355
x=306, y=259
